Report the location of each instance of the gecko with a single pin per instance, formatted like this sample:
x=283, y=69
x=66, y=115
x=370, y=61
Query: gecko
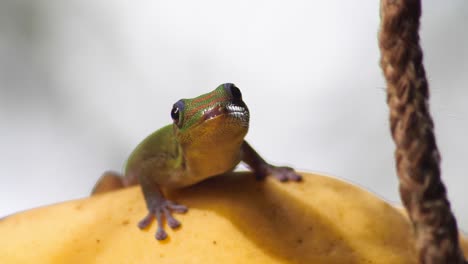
x=205, y=139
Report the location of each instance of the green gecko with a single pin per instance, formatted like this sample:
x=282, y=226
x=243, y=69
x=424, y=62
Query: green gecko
x=206, y=139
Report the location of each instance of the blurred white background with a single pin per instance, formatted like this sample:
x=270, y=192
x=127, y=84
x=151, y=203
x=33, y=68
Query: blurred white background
x=83, y=81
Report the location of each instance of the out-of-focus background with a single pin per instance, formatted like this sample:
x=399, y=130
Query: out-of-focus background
x=83, y=81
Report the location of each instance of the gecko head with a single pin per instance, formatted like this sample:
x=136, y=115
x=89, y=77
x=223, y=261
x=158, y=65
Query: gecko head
x=214, y=118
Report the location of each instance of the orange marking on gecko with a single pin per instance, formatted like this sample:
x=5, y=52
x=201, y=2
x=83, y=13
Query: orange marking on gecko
x=202, y=106
x=202, y=98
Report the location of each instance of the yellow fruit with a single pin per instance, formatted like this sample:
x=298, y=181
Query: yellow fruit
x=232, y=219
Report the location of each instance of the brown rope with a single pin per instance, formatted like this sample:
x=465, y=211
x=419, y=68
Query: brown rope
x=416, y=154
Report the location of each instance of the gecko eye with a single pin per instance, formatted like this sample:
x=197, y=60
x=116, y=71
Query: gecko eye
x=175, y=114
x=233, y=90
x=177, y=108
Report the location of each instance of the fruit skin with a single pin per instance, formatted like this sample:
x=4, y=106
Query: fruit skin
x=232, y=219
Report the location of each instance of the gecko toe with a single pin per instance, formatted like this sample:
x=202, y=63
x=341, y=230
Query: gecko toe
x=181, y=209
x=281, y=177
x=295, y=177
x=161, y=234
x=172, y=222
x=146, y=221
x=284, y=174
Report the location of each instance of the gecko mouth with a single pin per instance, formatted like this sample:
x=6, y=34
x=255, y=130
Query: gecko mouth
x=236, y=112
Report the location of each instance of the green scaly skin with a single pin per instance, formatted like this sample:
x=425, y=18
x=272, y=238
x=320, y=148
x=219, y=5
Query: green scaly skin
x=205, y=139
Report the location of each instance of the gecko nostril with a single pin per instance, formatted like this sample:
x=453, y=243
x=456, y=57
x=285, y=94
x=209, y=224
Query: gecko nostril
x=236, y=93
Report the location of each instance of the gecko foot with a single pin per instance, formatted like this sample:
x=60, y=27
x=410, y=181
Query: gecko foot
x=159, y=210
x=283, y=174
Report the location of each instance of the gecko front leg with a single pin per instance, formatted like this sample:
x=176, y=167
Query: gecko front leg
x=158, y=207
x=261, y=168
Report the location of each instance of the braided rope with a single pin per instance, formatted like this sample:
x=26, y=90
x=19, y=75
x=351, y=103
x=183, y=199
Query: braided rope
x=417, y=157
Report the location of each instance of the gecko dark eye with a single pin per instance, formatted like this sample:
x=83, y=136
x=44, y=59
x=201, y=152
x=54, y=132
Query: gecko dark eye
x=233, y=90
x=175, y=112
